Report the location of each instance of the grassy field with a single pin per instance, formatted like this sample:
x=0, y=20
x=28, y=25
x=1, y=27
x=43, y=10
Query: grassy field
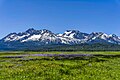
x=105, y=66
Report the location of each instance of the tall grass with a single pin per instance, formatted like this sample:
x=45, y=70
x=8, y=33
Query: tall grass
x=46, y=68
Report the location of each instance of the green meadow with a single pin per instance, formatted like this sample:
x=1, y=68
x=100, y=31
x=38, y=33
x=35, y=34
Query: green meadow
x=103, y=66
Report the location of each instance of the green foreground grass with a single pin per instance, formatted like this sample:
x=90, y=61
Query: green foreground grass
x=45, y=68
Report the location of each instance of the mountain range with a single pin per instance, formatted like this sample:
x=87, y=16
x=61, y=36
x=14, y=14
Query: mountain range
x=32, y=38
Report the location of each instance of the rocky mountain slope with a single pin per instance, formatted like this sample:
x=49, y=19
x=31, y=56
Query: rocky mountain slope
x=68, y=37
x=32, y=38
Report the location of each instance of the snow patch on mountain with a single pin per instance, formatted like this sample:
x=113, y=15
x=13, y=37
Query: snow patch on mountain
x=68, y=37
x=15, y=37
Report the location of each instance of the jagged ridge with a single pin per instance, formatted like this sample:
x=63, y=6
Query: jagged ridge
x=68, y=37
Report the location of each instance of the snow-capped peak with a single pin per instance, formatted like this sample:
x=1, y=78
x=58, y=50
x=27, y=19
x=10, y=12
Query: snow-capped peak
x=68, y=37
x=30, y=30
x=74, y=34
x=97, y=35
x=39, y=35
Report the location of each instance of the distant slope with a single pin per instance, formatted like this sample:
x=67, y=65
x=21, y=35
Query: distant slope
x=44, y=39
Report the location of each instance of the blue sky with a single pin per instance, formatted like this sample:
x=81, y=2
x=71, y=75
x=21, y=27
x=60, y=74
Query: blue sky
x=60, y=15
